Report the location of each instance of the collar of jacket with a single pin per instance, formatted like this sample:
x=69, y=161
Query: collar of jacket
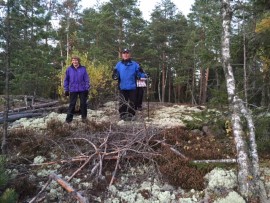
x=126, y=62
x=74, y=67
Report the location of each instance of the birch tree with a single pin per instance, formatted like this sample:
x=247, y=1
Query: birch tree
x=250, y=185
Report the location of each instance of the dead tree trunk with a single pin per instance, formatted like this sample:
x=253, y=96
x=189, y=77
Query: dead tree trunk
x=247, y=156
x=163, y=77
x=203, y=85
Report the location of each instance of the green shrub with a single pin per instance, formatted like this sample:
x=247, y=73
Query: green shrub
x=262, y=130
x=102, y=85
x=9, y=195
x=218, y=98
x=3, y=174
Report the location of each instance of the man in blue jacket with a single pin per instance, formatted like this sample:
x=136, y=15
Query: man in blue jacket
x=127, y=72
x=76, y=83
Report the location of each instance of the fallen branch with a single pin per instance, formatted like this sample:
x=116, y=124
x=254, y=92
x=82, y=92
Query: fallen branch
x=15, y=117
x=68, y=188
x=215, y=161
x=86, y=162
x=44, y=187
x=102, y=156
x=80, y=158
x=175, y=151
x=105, y=156
x=37, y=106
x=178, y=153
x=65, y=185
x=94, y=169
x=115, y=169
x=91, y=143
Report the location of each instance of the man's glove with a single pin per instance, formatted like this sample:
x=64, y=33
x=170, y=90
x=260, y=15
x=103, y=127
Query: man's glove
x=66, y=93
x=115, y=77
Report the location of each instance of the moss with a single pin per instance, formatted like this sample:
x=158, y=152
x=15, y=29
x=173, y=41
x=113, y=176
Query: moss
x=176, y=170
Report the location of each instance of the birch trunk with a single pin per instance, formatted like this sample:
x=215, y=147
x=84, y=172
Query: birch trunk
x=242, y=158
x=250, y=185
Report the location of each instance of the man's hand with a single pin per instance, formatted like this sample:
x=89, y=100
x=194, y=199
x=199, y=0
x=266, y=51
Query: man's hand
x=66, y=93
x=115, y=77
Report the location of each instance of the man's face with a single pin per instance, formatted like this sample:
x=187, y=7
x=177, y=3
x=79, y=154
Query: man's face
x=125, y=55
x=75, y=62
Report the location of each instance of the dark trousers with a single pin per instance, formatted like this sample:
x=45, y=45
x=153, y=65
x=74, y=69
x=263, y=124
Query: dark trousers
x=139, y=97
x=127, y=103
x=72, y=103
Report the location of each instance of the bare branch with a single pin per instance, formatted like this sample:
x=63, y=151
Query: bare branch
x=68, y=188
x=215, y=161
x=44, y=187
x=86, y=162
x=115, y=169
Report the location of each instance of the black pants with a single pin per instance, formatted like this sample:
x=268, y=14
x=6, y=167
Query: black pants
x=72, y=103
x=127, y=103
x=139, y=97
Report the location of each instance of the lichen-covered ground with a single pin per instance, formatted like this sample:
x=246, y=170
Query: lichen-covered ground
x=151, y=159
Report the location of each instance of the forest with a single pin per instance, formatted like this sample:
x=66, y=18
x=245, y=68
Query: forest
x=189, y=58
x=182, y=54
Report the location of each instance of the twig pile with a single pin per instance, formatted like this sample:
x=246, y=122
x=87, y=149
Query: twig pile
x=93, y=149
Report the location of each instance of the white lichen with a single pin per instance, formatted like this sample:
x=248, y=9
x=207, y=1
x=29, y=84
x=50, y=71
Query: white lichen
x=220, y=178
x=39, y=159
x=232, y=197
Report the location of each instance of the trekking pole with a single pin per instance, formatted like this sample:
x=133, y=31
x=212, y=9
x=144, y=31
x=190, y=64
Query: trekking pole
x=147, y=96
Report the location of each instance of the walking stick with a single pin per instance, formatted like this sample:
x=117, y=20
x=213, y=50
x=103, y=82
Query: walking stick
x=147, y=96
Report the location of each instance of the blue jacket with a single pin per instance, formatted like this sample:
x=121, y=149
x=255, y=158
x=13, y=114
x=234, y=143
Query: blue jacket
x=127, y=72
x=76, y=80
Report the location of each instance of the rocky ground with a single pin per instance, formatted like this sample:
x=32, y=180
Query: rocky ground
x=150, y=159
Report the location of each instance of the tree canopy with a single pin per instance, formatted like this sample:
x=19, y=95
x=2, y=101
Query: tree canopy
x=181, y=53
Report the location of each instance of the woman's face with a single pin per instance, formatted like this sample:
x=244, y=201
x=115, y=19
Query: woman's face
x=75, y=62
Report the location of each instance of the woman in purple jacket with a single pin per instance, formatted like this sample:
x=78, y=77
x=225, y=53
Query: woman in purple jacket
x=76, y=83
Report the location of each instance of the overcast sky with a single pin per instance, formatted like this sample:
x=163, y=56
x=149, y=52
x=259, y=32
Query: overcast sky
x=146, y=6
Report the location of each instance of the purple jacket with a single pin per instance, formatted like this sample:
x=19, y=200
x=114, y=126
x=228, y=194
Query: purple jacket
x=76, y=80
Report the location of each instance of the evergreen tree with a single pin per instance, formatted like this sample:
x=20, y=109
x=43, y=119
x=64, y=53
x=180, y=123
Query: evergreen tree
x=111, y=27
x=168, y=39
x=206, y=18
x=29, y=51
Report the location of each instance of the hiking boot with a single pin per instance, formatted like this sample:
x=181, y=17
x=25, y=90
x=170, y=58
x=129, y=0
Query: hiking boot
x=130, y=118
x=84, y=120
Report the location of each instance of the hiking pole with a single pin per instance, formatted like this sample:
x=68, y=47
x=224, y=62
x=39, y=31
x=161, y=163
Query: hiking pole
x=147, y=95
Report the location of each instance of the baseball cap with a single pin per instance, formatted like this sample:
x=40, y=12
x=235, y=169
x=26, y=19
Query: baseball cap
x=125, y=50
